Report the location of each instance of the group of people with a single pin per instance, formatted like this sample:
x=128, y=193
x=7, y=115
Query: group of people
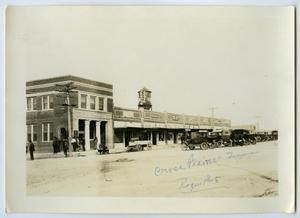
x=77, y=144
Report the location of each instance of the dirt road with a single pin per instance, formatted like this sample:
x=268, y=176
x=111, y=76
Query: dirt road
x=247, y=171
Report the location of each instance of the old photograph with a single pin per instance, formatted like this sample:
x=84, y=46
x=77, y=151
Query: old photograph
x=153, y=101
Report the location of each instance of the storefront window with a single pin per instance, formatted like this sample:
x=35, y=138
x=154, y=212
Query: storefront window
x=118, y=137
x=51, y=131
x=45, y=132
x=161, y=136
x=34, y=132
x=28, y=132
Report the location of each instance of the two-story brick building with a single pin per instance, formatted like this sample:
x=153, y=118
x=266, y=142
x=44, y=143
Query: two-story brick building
x=93, y=115
x=47, y=116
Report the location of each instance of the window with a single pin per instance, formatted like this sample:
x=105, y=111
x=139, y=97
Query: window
x=28, y=132
x=101, y=104
x=45, y=132
x=92, y=102
x=50, y=125
x=32, y=133
x=47, y=129
x=83, y=101
x=51, y=104
x=34, y=104
x=118, y=137
x=31, y=104
x=161, y=136
x=45, y=102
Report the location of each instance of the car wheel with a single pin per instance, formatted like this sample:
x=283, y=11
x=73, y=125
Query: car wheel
x=204, y=146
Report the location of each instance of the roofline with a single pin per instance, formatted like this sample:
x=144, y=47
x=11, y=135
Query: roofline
x=67, y=77
x=136, y=110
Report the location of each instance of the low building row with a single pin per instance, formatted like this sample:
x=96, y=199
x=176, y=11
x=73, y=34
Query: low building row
x=57, y=106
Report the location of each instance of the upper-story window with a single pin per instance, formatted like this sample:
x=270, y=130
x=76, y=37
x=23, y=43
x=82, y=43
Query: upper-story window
x=92, y=102
x=83, y=100
x=47, y=102
x=101, y=104
x=31, y=104
x=51, y=103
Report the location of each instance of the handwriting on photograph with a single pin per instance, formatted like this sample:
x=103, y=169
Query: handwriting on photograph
x=194, y=162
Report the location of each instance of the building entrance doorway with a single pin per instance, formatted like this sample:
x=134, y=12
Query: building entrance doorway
x=63, y=133
x=127, y=138
x=154, y=142
x=103, y=132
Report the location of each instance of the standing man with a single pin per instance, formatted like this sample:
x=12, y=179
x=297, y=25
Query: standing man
x=31, y=149
x=74, y=144
x=65, y=147
x=55, y=145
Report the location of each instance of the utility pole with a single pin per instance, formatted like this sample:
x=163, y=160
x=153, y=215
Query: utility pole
x=257, y=122
x=212, y=109
x=66, y=90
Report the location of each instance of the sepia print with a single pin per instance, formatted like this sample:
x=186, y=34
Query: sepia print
x=153, y=102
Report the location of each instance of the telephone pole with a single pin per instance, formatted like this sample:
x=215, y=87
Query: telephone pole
x=257, y=118
x=212, y=109
x=66, y=90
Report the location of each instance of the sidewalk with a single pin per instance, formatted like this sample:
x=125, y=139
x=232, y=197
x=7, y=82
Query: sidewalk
x=115, y=150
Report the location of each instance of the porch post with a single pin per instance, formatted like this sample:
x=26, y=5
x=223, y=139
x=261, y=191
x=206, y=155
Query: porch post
x=87, y=134
x=98, y=132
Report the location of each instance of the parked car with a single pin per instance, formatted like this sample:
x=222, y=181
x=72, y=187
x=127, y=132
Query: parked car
x=238, y=136
x=197, y=139
x=261, y=136
x=135, y=144
x=274, y=135
x=226, y=138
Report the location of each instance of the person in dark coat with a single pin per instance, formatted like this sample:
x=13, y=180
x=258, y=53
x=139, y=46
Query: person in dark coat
x=55, y=145
x=66, y=147
x=31, y=149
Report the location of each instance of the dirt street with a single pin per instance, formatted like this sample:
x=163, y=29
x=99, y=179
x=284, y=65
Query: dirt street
x=242, y=171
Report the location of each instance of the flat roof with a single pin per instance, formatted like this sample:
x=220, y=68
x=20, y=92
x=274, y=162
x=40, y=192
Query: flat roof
x=66, y=78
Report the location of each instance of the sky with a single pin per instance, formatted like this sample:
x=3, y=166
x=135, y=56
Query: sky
x=191, y=58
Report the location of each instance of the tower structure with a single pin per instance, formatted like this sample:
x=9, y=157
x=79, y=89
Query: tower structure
x=144, y=99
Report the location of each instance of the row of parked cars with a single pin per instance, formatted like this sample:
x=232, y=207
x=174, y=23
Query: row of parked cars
x=205, y=139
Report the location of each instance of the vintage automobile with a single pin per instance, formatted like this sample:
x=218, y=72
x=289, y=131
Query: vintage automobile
x=226, y=138
x=135, y=144
x=196, y=139
x=214, y=138
x=261, y=136
x=238, y=136
x=250, y=138
x=274, y=135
